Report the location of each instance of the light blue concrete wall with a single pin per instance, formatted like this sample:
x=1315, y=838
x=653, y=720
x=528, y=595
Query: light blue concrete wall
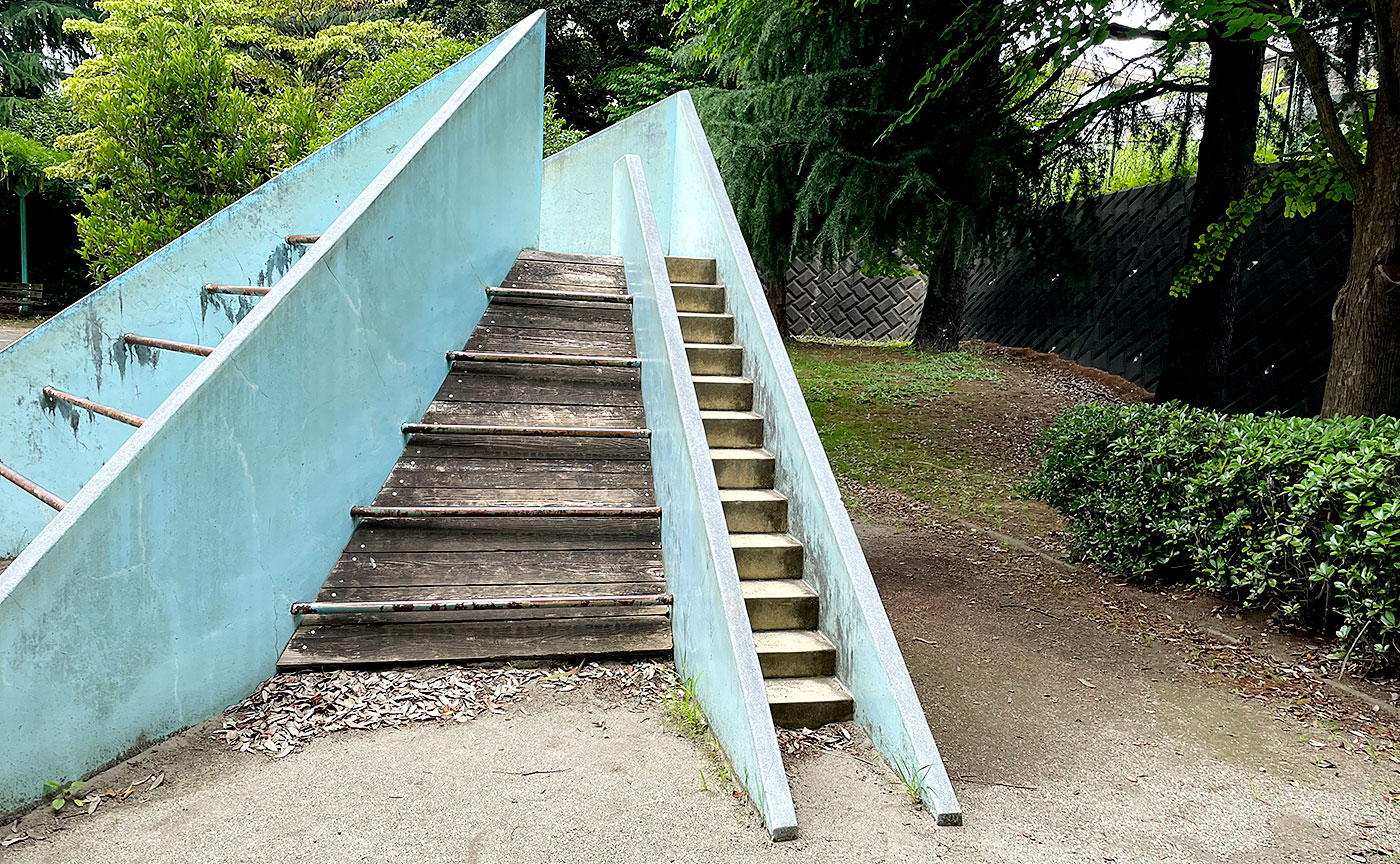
x=869, y=662
x=578, y=181
x=713, y=643
x=161, y=594
x=80, y=349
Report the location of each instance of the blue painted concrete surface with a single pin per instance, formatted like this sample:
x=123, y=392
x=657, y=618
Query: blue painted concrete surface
x=710, y=626
x=578, y=181
x=869, y=662
x=80, y=350
x=160, y=595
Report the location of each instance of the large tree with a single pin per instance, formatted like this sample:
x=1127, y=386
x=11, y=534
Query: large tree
x=1201, y=334
x=808, y=139
x=586, y=41
x=35, y=50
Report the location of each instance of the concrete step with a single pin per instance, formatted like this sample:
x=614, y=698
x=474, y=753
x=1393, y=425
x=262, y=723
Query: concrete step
x=699, y=271
x=707, y=327
x=799, y=703
x=733, y=428
x=723, y=392
x=743, y=467
x=794, y=653
x=780, y=604
x=691, y=297
x=754, y=511
x=767, y=556
x=715, y=359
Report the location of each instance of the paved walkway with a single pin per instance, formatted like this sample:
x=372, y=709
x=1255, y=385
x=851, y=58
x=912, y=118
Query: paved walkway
x=10, y=333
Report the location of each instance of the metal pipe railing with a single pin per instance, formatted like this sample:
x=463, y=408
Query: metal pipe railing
x=361, y=608
x=559, y=431
x=167, y=345
x=556, y=294
x=31, y=487
x=255, y=290
x=373, y=512
x=94, y=407
x=553, y=359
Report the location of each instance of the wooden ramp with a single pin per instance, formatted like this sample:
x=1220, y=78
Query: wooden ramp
x=520, y=521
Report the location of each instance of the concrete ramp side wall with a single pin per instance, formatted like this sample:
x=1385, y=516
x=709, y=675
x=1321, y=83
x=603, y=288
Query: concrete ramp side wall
x=81, y=351
x=853, y=617
x=160, y=594
x=578, y=181
x=710, y=628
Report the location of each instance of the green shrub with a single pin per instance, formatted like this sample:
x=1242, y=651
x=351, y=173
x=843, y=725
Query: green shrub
x=1300, y=514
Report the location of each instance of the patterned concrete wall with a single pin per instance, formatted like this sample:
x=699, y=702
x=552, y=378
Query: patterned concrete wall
x=1093, y=289
x=846, y=304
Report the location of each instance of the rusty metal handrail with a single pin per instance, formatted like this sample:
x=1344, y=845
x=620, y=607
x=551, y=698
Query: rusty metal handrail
x=561, y=431
x=302, y=239
x=552, y=359
x=31, y=487
x=466, y=605
x=257, y=290
x=372, y=512
x=94, y=407
x=167, y=345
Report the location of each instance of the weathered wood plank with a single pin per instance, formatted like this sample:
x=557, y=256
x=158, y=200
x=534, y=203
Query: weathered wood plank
x=431, y=593
x=552, y=317
x=489, y=372
x=568, y=277
x=495, y=640
x=498, y=534
x=541, y=341
x=526, y=447
x=544, y=496
x=479, y=568
x=520, y=414
x=501, y=390
x=572, y=258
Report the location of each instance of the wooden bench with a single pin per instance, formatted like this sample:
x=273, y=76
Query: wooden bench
x=17, y=298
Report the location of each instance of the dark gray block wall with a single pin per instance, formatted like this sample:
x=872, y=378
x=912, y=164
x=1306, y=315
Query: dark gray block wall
x=1091, y=285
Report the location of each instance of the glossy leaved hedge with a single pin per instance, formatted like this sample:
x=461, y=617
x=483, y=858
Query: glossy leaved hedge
x=1299, y=514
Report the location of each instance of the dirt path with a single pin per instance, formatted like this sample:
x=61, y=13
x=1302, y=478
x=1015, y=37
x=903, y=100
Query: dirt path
x=10, y=334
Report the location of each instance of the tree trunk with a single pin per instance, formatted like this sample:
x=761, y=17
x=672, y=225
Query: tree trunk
x=1363, y=373
x=940, y=319
x=775, y=290
x=1202, y=331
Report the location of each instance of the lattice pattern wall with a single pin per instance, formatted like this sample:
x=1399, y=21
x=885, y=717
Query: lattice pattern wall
x=1094, y=290
x=846, y=304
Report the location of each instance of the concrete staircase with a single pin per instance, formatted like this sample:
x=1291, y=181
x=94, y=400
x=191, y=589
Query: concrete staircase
x=798, y=662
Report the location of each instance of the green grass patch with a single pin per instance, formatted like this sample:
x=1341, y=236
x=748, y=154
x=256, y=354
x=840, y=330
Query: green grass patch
x=875, y=408
x=893, y=373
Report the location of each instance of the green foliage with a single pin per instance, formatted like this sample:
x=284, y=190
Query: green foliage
x=43, y=119
x=585, y=41
x=1300, y=514
x=61, y=793
x=649, y=80
x=392, y=77
x=34, y=49
x=24, y=164
x=682, y=708
x=170, y=139
x=1303, y=186
x=272, y=45
x=388, y=79
x=806, y=143
x=558, y=134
